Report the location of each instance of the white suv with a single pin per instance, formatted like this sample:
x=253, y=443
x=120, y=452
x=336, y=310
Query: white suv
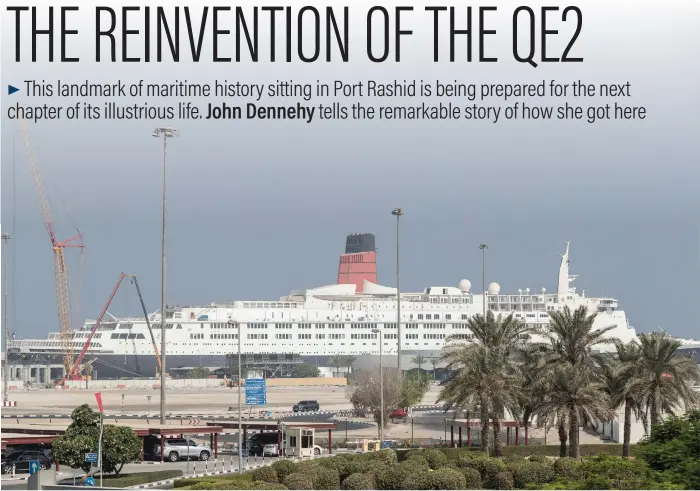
x=180, y=448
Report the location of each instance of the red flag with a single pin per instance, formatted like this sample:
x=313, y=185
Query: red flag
x=98, y=396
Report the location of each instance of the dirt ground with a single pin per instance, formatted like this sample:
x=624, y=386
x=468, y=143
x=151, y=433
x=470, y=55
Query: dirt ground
x=181, y=401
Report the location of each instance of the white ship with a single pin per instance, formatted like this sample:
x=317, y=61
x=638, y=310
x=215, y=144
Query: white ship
x=312, y=325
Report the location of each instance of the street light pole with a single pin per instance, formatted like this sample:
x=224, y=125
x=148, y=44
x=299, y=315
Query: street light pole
x=240, y=410
x=397, y=212
x=6, y=378
x=483, y=248
x=381, y=385
x=165, y=133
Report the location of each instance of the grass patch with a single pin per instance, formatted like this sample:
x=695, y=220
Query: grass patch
x=131, y=479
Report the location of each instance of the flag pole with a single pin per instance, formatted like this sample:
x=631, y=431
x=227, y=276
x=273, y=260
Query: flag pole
x=99, y=448
x=98, y=397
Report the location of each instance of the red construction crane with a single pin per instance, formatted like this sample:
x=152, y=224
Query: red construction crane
x=75, y=373
x=60, y=266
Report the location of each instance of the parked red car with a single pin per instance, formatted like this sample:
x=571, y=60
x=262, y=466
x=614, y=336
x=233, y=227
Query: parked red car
x=398, y=414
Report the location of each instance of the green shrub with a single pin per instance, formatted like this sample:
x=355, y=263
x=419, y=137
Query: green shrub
x=605, y=472
x=513, y=459
x=265, y=474
x=539, y=458
x=463, y=459
x=446, y=478
x=266, y=485
x=567, y=468
x=410, y=453
x=503, y=480
x=358, y=481
x=305, y=466
x=488, y=468
x=417, y=458
x=386, y=455
x=532, y=473
x=202, y=485
x=226, y=481
x=417, y=481
x=338, y=464
x=283, y=468
x=325, y=478
x=393, y=477
x=297, y=480
x=472, y=478
x=674, y=448
x=435, y=458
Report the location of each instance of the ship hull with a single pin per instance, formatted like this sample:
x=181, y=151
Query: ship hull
x=113, y=366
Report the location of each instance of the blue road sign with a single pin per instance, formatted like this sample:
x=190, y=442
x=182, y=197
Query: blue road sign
x=34, y=467
x=255, y=392
x=91, y=457
x=386, y=444
x=90, y=481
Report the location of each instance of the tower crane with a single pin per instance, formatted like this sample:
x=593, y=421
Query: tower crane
x=58, y=247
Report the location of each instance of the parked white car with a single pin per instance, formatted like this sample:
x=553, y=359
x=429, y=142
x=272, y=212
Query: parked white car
x=180, y=448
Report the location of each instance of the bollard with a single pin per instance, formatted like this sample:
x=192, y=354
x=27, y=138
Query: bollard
x=255, y=459
x=194, y=467
x=231, y=463
x=206, y=467
x=13, y=470
x=215, y=462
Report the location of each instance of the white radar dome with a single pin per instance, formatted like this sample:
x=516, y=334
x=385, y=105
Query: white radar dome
x=464, y=285
x=494, y=288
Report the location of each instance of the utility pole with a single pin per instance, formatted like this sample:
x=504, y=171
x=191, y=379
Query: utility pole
x=240, y=409
x=397, y=212
x=165, y=133
x=381, y=386
x=6, y=378
x=483, y=248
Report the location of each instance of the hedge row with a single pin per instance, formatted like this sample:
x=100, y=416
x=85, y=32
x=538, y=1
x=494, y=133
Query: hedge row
x=587, y=450
x=443, y=468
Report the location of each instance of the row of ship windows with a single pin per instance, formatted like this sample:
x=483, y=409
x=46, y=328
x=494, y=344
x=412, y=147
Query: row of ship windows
x=289, y=325
x=330, y=336
x=304, y=336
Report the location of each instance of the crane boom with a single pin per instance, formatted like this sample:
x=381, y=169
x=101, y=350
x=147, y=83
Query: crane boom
x=60, y=265
x=148, y=323
x=73, y=374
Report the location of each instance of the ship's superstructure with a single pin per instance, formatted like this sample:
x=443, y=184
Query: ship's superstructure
x=314, y=324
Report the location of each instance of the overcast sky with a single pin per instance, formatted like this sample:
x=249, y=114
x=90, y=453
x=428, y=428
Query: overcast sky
x=259, y=208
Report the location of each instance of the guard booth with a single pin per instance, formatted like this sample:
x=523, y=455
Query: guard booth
x=299, y=442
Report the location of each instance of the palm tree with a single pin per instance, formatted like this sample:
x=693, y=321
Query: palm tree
x=571, y=339
x=485, y=380
x=577, y=393
x=505, y=333
x=336, y=361
x=349, y=361
x=458, y=388
x=504, y=338
x=434, y=362
x=622, y=386
x=418, y=360
x=666, y=378
x=535, y=385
